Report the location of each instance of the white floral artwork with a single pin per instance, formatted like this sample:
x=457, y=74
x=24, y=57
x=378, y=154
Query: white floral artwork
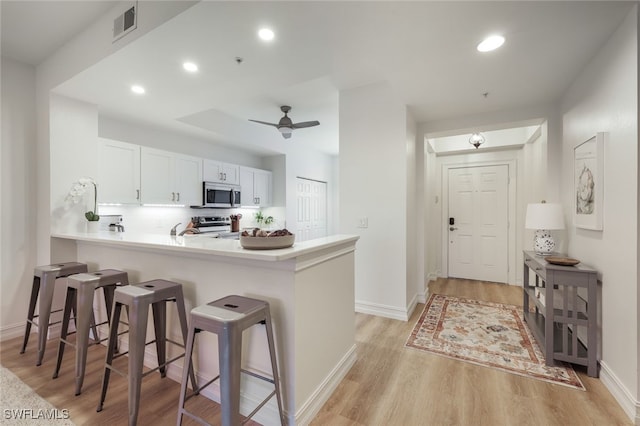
x=588, y=179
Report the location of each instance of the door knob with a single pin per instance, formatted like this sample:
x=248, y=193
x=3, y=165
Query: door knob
x=451, y=228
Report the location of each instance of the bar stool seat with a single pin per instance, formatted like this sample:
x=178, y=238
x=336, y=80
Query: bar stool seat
x=137, y=299
x=80, y=293
x=228, y=318
x=44, y=280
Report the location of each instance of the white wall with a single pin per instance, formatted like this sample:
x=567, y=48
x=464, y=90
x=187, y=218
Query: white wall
x=310, y=164
x=415, y=283
x=86, y=49
x=604, y=98
x=373, y=185
x=169, y=140
x=73, y=154
x=432, y=200
x=18, y=202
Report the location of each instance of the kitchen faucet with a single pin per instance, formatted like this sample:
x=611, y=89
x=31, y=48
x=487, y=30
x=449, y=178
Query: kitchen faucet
x=192, y=230
x=117, y=227
x=173, y=230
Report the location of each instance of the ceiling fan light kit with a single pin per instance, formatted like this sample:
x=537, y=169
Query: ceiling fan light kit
x=285, y=126
x=477, y=139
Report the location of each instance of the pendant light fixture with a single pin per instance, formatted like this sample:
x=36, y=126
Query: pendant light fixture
x=477, y=139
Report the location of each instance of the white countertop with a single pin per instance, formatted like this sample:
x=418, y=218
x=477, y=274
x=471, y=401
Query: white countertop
x=203, y=244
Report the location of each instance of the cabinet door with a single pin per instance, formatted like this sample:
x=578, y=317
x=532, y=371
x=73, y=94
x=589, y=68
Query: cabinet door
x=212, y=171
x=119, y=172
x=217, y=171
x=231, y=173
x=246, y=187
x=188, y=180
x=157, y=176
x=262, y=187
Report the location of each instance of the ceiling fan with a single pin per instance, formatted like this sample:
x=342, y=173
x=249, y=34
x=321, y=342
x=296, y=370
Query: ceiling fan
x=285, y=125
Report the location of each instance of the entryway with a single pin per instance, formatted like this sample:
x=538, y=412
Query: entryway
x=311, y=196
x=478, y=222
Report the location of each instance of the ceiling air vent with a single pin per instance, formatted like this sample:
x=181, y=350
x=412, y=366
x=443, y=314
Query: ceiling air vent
x=125, y=23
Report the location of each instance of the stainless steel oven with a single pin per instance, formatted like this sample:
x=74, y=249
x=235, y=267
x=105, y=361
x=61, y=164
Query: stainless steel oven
x=220, y=195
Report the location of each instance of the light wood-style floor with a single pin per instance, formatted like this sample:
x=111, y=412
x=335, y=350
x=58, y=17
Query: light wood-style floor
x=388, y=385
x=393, y=385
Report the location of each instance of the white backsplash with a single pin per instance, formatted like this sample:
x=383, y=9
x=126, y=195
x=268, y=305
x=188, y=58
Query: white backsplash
x=160, y=220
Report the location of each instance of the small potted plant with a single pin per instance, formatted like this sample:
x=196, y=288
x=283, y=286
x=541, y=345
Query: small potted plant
x=76, y=194
x=261, y=219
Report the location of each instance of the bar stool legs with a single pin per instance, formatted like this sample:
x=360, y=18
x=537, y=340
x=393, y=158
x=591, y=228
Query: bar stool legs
x=137, y=299
x=44, y=279
x=80, y=293
x=228, y=318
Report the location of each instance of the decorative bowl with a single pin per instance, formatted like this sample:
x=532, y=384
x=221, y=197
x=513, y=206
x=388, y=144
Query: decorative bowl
x=267, y=243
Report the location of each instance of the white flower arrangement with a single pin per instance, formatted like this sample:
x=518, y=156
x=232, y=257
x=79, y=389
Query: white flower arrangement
x=76, y=194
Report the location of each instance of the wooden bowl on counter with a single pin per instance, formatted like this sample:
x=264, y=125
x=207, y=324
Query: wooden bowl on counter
x=267, y=243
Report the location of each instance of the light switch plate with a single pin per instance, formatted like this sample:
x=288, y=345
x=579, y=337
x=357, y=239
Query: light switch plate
x=363, y=222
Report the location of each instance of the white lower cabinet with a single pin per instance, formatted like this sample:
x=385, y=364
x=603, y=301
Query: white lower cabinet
x=119, y=173
x=168, y=178
x=255, y=187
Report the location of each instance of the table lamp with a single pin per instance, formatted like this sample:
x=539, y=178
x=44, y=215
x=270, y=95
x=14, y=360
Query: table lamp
x=543, y=217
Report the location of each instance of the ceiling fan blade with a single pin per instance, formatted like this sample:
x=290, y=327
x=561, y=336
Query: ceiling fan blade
x=286, y=135
x=305, y=124
x=264, y=122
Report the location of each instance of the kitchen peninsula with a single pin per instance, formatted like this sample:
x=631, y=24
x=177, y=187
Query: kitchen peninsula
x=309, y=286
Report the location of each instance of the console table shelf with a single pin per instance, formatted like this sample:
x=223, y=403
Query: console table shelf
x=560, y=307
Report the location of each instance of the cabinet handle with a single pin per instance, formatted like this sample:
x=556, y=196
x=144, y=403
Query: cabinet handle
x=225, y=176
x=220, y=176
x=178, y=197
x=137, y=194
x=173, y=196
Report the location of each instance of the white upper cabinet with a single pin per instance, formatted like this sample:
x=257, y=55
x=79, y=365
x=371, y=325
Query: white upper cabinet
x=188, y=176
x=217, y=171
x=170, y=178
x=119, y=172
x=255, y=187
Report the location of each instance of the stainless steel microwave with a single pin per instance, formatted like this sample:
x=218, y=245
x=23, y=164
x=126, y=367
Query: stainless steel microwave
x=220, y=195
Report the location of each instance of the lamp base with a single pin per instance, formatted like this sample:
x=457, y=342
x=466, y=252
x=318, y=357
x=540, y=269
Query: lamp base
x=543, y=243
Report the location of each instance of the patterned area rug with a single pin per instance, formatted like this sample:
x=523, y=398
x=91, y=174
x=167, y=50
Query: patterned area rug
x=487, y=334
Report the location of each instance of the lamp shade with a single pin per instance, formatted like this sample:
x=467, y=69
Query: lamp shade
x=544, y=216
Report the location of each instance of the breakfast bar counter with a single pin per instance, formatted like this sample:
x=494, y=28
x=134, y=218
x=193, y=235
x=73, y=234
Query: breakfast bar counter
x=309, y=286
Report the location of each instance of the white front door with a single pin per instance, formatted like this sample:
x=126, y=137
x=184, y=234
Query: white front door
x=312, y=209
x=478, y=223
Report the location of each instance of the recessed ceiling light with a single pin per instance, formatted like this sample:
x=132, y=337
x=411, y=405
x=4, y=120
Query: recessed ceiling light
x=266, y=34
x=137, y=89
x=491, y=43
x=190, y=66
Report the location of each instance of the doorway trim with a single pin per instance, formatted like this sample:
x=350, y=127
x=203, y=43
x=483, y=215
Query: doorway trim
x=512, y=207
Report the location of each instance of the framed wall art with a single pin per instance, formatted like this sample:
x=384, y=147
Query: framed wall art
x=588, y=165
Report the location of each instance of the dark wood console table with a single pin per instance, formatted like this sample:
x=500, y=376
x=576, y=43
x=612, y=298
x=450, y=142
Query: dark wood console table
x=560, y=307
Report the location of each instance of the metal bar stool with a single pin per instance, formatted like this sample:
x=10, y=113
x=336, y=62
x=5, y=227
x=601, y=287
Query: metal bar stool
x=228, y=318
x=80, y=293
x=137, y=298
x=44, y=280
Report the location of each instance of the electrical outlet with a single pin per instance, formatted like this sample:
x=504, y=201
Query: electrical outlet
x=363, y=222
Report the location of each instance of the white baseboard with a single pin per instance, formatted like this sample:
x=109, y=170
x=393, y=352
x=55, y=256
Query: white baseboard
x=314, y=403
x=630, y=406
x=14, y=330
x=393, y=312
